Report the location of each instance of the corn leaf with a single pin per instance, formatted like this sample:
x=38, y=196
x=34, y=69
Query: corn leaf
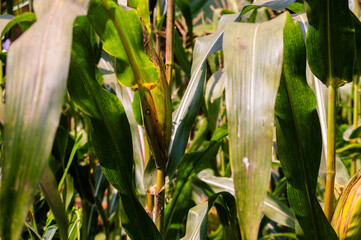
x=111, y=135
x=50, y=189
x=197, y=219
x=330, y=40
x=112, y=23
x=299, y=139
x=138, y=67
x=253, y=63
x=34, y=98
x=320, y=91
x=192, y=163
x=185, y=114
x=273, y=208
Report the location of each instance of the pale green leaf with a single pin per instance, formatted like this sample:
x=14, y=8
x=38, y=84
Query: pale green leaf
x=37, y=68
x=253, y=64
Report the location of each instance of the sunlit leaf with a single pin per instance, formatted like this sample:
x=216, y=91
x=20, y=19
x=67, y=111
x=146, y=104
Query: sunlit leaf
x=111, y=136
x=253, y=63
x=299, y=139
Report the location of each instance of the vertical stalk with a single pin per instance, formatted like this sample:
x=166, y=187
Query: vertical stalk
x=159, y=198
x=157, y=31
x=355, y=116
x=169, y=40
x=330, y=176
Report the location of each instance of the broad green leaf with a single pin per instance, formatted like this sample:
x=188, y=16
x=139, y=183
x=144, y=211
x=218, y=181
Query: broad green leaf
x=112, y=23
x=253, y=63
x=320, y=90
x=273, y=208
x=142, y=7
x=197, y=219
x=330, y=40
x=111, y=135
x=50, y=189
x=299, y=139
x=192, y=163
x=37, y=68
x=137, y=66
x=185, y=114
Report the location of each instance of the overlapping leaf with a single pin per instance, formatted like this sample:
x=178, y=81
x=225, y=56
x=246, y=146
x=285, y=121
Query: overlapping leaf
x=299, y=139
x=111, y=136
x=330, y=40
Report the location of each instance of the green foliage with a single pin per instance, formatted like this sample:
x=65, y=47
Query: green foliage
x=96, y=143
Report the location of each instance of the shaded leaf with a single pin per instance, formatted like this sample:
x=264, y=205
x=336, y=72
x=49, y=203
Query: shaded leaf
x=50, y=189
x=34, y=98
x=192, y=163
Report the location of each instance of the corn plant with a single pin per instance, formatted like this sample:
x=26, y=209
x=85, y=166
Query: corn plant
x=180, y=119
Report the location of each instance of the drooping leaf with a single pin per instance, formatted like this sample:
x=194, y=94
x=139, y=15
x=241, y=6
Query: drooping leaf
x=37, y=67
x=330, y=40
x=299, y=139
x=273, y=208
x=111, y=135
x=28, y=17
x=253, y=63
